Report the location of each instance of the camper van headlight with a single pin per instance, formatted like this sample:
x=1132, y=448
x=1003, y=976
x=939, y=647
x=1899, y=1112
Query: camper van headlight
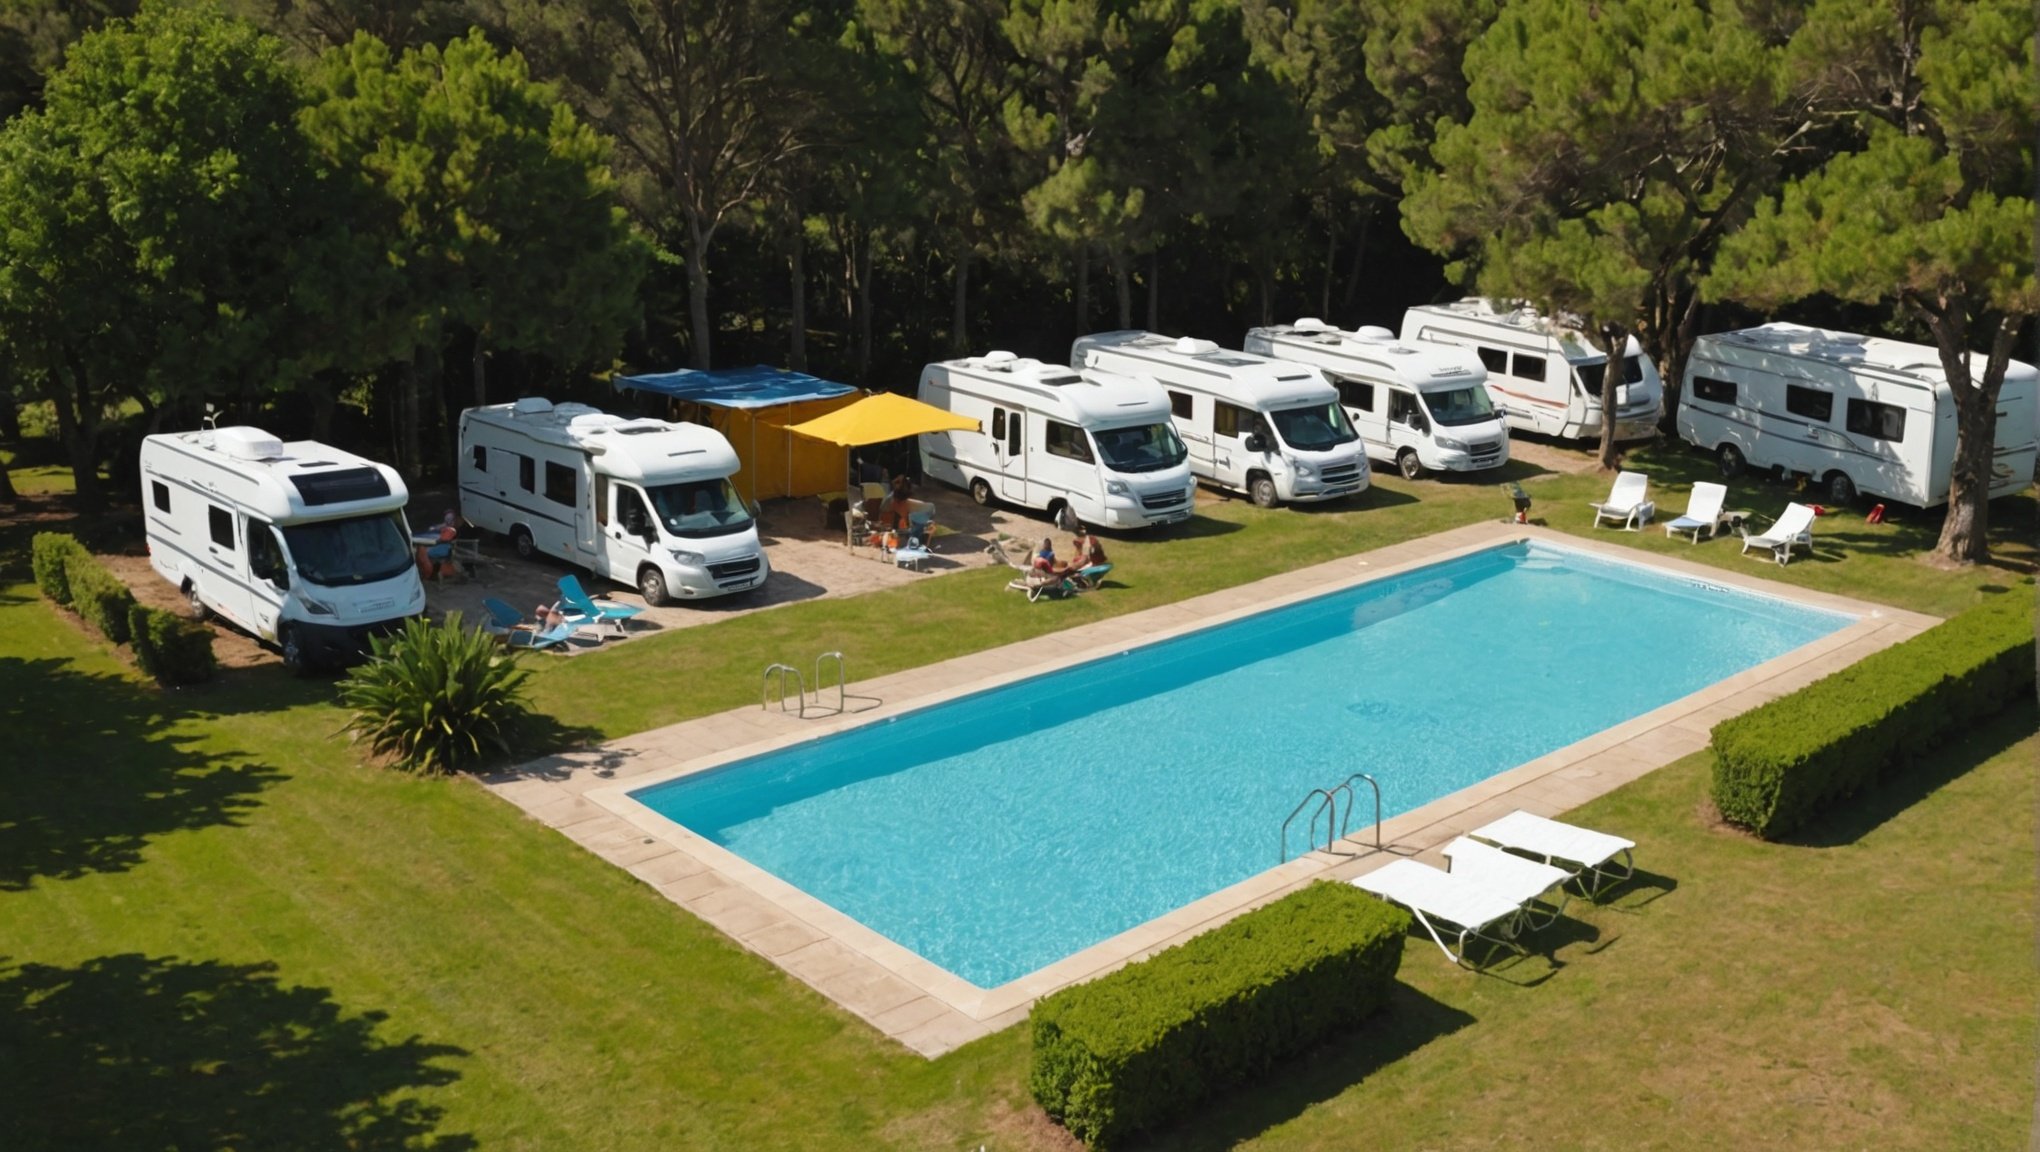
x=692, y=559
x=1117, y=487
x=1303, y=471
x=1448, y=443
x=316, y=607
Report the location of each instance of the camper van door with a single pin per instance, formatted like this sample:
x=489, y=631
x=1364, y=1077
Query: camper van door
x=628, y=532
x=268, y=574
x=1232, y=428
x=1194, y=427
x=223, y=580
x=1009, y=435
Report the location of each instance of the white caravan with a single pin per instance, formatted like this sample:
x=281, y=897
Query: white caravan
x=1856, y=413
x=642, y=502
x=1418, y=407
x=303, y=545
x=1099, y=445
x=1545, y=375
x=1272, y=430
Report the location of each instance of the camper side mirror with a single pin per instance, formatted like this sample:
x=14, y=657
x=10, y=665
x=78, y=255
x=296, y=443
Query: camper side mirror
x=1418, y=424
x=1256, y=442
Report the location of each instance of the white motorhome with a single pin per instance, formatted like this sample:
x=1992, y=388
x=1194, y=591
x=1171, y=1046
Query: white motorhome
x=1545, y=375
x=1272, y=430
x=641, y=502
x=1420, y=407
x=1101, y=446
x=302, y=545
x=1856, y=413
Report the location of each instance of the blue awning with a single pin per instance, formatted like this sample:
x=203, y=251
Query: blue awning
x=755, y=387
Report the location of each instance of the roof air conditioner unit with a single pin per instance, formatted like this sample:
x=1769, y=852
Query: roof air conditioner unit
x=247, y=444
x=531, y=406
x=1374, y=334
x=1000, y=361
x=1191, y=346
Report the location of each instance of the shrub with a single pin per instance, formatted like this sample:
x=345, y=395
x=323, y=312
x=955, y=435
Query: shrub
x=1778, y=765
x=170, y=648
x=1136, y=1048
x=99, y=596
x=48, y=553
x=434, y=696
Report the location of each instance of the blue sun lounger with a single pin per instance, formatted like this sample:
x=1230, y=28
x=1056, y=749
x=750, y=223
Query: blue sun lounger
x=508, y=623
x=582, y=608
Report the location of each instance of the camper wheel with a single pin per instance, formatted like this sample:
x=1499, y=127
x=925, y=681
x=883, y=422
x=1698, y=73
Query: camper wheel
x=651, y=584
x=293, y=651
x=1262, y=490
x=522, y=543
x=1841, y=489
x=192, y=598
x=1059, y=514
x=1407, y=463
x=981, y=492
x=1731, y=460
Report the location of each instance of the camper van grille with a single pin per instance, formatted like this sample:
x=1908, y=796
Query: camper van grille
x=732, y=568
x=341, y=487
x=1486, y=449
x=1340, y=474
x=1159, y=500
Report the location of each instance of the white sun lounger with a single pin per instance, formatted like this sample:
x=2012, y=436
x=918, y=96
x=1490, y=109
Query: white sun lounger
x=1510, y=873
x=1588, y=855
x=1626, y=501
x=1462, y=905
x=1703, y=511
x=1794, y=527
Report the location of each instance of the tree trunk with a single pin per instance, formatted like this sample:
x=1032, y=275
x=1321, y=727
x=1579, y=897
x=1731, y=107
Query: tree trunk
x=78, y=424
x=1125, y=287
x=7, y=493
x=864, y=309
x=1680, y=351
x=320, y=395
x=1965, y=533
x=697, y=295
x=1267, y=297
x=959, y=317
x=796, y=266
x=1154, y=287
x=481, y=373
x=1331, y=259
x=10, y=418
x=1083, y=288
x=410, y=444
x=1616, y=338
x=1359, y=257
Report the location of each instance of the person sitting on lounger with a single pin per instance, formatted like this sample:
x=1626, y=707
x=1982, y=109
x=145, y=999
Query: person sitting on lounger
x=1087, y=548
x=548, y=616
x=1045, y=565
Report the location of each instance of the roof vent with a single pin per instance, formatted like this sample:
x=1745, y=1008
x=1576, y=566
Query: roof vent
x=1191, y=346
x=531, y=406
x=1310, y=324
x=1000, y=361
x=244, y=443
x=1374, y=334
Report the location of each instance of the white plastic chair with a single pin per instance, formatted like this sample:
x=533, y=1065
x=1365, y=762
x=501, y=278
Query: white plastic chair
x=1626, y=501
x=1588, y=855
x=1793, y=528
x=1703, y=511
x=1484, y=906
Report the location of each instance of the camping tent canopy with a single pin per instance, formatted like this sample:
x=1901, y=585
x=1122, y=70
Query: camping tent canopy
x=755, y=387
x=878, y=418
x=735, y=401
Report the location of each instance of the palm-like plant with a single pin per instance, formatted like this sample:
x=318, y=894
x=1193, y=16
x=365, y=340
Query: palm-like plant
x=434, y=697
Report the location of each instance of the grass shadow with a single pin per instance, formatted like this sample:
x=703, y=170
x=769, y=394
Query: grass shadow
x=1197, y=527
x=64, y=814
x=1640, y=889
x=1408, y=1022
x=133, y=1051
x=1868, y=810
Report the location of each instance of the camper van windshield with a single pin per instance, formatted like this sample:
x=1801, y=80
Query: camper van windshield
x=700, y=508
x=1455, y=406
x=1314, y=428
x=1148, y=448
x=357, y=550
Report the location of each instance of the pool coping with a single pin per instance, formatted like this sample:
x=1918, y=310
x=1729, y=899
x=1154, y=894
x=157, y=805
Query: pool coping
x=585, y=795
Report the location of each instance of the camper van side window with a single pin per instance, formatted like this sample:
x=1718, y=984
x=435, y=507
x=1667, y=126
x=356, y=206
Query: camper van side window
x=1877, y=421
x=1496, y=360
x=221, y=522
x=1013, y=426
x=559, y=483
x=527, y=474
x=1226, y=419
x=1718, y=391
x=1355, y=393
x=1810, y=403
x=998, y=423
x=1067, y=440
x=160, y=493
x=1529, y=366
x=1179, y=405
x=480, y=456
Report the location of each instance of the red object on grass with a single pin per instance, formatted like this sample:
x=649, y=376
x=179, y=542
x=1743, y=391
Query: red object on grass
x=1876, y=515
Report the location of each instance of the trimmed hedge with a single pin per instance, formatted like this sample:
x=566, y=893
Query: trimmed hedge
x=1778, y=765
x=48, y=554
x=99, y=596
x=169, y=647
x=1136, y=1049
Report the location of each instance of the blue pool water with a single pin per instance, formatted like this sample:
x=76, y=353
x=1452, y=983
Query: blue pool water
x=1000, y=832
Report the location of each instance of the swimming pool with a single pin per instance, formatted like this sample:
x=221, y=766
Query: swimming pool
x=999, y=832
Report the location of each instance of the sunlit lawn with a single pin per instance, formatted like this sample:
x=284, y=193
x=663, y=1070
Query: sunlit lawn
x=220, y=929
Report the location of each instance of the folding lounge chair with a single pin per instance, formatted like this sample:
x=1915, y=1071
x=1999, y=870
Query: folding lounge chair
x=1703, y=511
x=1626, y=501
x=508, y=623
x=1087, y=578
x=584, y=609
x=1794, y=527
x=1489, y=864
x=1468, y=904
x=1039, y=584
x=503, y=619
x=555, y=637
x=1588, y=855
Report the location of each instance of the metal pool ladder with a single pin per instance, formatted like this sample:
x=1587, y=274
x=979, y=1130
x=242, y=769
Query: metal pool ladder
x=1325, y=802
x=776, y=677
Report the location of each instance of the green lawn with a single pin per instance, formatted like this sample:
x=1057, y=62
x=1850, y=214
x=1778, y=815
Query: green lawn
x=218, y=928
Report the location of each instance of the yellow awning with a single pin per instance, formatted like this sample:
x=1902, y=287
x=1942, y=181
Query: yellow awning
x=885, y=416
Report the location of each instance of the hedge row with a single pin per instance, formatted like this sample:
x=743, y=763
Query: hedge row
x=1778, y=765
x=168, y=647
x=1136, y=1049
